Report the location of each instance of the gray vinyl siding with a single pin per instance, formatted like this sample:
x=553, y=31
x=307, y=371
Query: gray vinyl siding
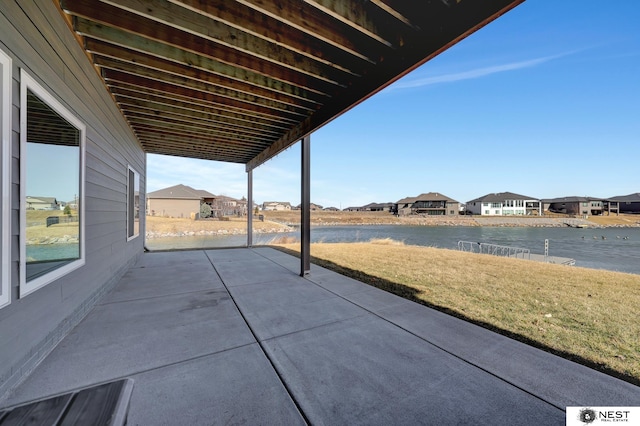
x=38, y=40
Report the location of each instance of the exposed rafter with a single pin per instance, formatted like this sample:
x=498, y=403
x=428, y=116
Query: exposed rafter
x=240, y=81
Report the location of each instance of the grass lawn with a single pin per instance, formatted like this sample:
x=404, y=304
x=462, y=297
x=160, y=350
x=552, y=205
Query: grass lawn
x=589, y=316
x=164, y=225
x=37, y=229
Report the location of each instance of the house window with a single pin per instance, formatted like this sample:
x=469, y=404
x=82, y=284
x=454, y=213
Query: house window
x=51, y=188
x=5, y=177
x=133, y=203
x=496, y=205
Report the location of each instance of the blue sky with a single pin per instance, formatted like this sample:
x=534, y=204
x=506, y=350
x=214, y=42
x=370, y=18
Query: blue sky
x=544, y=102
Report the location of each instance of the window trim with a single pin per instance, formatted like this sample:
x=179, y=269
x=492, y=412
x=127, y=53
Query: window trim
x=29, y=83
x=6, y=104
x=135, y=174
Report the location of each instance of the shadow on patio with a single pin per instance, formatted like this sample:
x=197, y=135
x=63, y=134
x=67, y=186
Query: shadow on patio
x=235, y=336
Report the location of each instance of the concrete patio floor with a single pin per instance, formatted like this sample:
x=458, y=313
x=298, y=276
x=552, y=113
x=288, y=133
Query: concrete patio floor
x=235, y=336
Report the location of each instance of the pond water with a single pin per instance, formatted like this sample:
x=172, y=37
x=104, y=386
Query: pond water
x=615, y=249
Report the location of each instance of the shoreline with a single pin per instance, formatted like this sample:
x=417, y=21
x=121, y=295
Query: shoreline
x=275, y=226
x=512, y=222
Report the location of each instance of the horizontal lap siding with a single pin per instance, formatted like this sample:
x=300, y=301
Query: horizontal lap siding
x=36, y=37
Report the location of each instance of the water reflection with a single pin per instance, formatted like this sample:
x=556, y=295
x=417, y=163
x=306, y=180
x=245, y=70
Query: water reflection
x=52, y=188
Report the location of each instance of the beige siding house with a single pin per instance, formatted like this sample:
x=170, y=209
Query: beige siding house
x=176, y=201
x=42, y=203
x=276, y=205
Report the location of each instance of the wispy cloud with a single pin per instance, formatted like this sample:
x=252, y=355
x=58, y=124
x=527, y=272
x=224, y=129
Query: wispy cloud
x=476, y=73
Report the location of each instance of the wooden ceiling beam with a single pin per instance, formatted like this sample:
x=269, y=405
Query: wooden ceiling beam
x=204, y=136
x=191, y=134
x=202, y=154
x=311, y=21
x=138, y=43
x=104, y=14
x=194, y=144
x=186, y=81
x=125, y=94
x=425, y=16
x=193, y=114
x=201, y=142
x=364, y=18
x=203, y=120
x=239, y=36
x=280, y=33
x=160, y=123
x=190, y=92
x=213, y=103
x=391, y=7
x=159, y=140
x=107, y=50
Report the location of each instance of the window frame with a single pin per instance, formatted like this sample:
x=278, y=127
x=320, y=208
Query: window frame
x=6, y=105
x=29, y=83
x=140, y=205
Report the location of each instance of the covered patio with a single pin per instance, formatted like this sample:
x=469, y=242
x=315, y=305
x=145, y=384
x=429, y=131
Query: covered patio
x=242, y=81
x=248, y=335
x=237, y=336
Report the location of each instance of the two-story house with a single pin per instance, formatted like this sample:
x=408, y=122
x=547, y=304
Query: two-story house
x=504, y=204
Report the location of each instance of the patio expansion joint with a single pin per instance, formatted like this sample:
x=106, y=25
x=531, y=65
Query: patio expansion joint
x=264, y=352
x=466, y=361
x=315, y=327
x=133, y=374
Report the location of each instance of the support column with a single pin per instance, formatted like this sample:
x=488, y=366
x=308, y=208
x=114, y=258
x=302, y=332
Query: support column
x=305, y=208
x=250, y=208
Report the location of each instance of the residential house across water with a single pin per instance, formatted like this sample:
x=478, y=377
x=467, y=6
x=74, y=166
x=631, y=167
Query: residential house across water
x=505, y=204
x=177, y=201
x=276, y=205
x=627, y=203
x=42, y=203
x=580, y=206
x=431, y=204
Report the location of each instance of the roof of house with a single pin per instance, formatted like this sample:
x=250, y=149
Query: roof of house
x=206, y=194
x=180, y=191
x=434, y=196
x=48, y=200
x=284, y=203
x=501, y=196
x=572, y=199
x=377, y=205
x=406, y=200
x=627, y=198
